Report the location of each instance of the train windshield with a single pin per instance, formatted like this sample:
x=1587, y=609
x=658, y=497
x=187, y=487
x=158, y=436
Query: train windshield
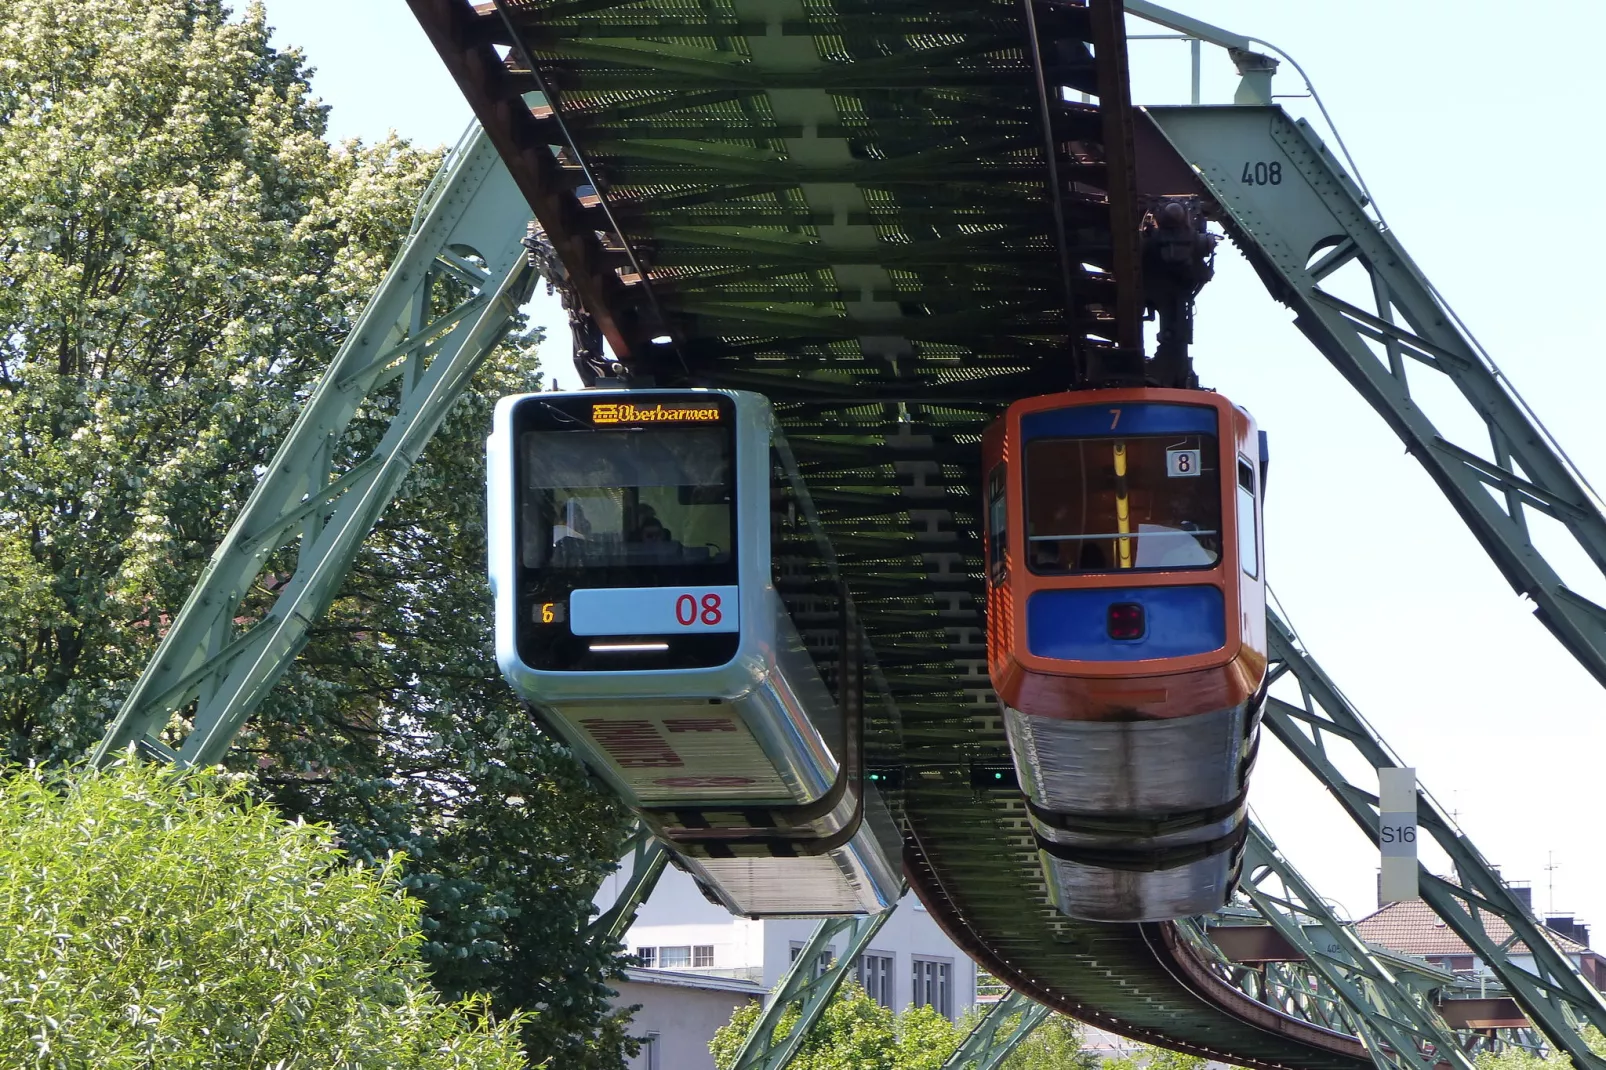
x=649, y=499
x=1139, y=501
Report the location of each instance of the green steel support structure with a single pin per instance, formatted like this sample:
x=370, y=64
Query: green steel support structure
x=1001, y=1030
x=648, y=857
x=1327, y=734
x=808, y=986
x=1401, y=1028
x=1298, y=232
x=849, y=210
x=1311, y=225
x=467, y=245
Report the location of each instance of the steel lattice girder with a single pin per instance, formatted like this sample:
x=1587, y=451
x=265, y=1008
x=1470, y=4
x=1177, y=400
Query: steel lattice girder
x=473, y=210
x=648, y=857
x=1000, y=1031
x=1402, y=1029
x=1312, y=222
x=1554, y=995
x=867, y=158
x=808, y=986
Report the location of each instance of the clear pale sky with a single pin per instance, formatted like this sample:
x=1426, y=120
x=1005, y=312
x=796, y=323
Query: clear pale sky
x=1476, y=127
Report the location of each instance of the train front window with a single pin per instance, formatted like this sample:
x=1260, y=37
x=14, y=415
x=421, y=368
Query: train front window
x=643, y=500
x=1101, y=504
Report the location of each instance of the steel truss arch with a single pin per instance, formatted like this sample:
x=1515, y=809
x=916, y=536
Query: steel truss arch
x=1312, y=221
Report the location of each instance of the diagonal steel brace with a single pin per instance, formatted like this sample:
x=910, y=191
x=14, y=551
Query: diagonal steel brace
x=1001, y=1030
x=226, y=666
x=805, y=985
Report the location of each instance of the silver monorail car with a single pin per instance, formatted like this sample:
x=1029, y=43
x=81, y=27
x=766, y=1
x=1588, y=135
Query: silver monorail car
x=639, y=610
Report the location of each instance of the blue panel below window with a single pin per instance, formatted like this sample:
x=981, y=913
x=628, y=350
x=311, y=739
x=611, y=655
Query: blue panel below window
x=1141, y=418
x=1071, y=625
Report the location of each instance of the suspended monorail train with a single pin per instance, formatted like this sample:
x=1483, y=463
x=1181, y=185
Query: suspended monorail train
x=640, y=542
x=1126, y=639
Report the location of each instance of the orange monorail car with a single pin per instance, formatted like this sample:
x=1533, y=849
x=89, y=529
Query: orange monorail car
x=1126, y=638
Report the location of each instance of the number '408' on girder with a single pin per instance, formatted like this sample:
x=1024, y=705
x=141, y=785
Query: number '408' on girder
x=668, y=605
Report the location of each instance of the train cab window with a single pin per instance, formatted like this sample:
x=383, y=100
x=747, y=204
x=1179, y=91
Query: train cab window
x=1139, y=501
x=997, y=524
x=636, y=497
x=1248, y=554
x=642, y=500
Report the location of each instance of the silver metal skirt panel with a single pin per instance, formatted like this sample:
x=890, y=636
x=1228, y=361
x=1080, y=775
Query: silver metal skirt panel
x=1131, y=804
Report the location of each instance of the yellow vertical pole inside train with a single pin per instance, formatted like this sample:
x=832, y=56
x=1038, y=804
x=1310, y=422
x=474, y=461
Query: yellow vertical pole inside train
x=1123, y=514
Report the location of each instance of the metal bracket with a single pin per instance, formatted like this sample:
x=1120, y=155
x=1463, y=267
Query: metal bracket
x=806, y=985
x=469, y=236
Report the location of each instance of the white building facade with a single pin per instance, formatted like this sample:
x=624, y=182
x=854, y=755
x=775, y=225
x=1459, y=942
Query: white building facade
x=910, y=961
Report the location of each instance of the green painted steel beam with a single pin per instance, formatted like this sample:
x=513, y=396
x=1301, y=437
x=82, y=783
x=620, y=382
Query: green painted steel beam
x=468, y=234
x=1400, y=1026
x=810, y=988
x=648, y=858
x=1323, y=730
x=1000, y=1031
x=1307, y=223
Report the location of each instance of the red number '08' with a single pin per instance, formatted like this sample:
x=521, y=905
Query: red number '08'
x=686, y=610
x=712, y=614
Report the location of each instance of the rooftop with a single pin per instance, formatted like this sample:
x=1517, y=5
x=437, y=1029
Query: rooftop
x=685, y=979
x=1412, y=928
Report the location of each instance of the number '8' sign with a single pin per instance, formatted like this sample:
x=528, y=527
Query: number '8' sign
x=1180, y=464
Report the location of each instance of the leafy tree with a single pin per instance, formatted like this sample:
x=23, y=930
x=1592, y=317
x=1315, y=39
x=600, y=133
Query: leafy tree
x=1151, y=1057
x=854, y=1033
x=1054, y=1045
x=149, y=918
x=181, y=253
x=1511, y=1058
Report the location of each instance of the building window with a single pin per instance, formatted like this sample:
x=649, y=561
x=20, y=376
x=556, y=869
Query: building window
x=821, y=965
x=647, y=956
x=934, y=986
x=702, y=955
x=671, y=958
x=649, y=1052
x=874, y=974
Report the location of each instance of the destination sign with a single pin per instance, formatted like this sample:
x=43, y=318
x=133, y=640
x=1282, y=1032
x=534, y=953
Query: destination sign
x=625, y=412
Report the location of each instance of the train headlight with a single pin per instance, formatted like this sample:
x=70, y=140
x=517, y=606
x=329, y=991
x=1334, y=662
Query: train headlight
x=1125, y=620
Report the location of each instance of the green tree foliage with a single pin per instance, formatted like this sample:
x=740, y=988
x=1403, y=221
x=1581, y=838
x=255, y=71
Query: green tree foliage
x=1521, y=1059
x=181, y=253
x=854, y=1033
x=1054, y=1045
x=1151, y=1057
x=153, y=919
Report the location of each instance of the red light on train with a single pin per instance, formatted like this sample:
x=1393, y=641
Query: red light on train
x=1125, y=621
